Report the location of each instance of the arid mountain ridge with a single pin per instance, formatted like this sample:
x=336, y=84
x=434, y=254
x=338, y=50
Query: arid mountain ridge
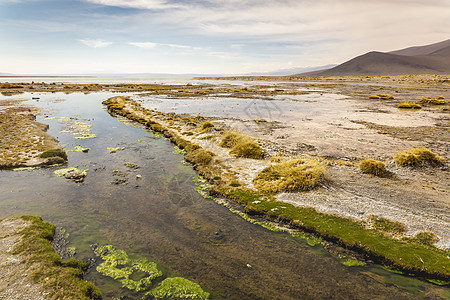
x=428, y=59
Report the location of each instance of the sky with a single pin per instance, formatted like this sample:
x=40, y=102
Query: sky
x=207, y=36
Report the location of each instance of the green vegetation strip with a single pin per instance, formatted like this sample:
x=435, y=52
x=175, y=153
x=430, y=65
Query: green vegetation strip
x=61, y=279
x=408, y=255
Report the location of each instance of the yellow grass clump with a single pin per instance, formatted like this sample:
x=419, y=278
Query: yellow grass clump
x=242, y=145
x=294, y=175
x=382, y=96
x=409, y=105
x=372, y=166
x=436, y=101
x=418, y=156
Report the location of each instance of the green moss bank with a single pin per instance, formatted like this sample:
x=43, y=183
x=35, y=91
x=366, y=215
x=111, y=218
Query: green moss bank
x=406, y=255
x=60, y=279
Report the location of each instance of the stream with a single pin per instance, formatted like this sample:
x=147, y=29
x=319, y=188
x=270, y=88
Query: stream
x=143, y=200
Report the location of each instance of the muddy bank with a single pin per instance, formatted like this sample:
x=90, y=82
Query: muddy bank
x=30, y=269
x=24, y=141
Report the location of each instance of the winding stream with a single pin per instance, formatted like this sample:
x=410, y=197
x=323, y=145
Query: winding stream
x=155, y=212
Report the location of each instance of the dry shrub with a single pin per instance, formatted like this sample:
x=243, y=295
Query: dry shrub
x=372, y=166
x=418, y=156
x=294, y=175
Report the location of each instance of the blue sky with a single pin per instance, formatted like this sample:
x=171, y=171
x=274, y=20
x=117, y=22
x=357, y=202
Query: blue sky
x=207, y=36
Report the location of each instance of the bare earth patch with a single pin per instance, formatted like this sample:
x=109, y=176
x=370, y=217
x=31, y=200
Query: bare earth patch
x=15, y=282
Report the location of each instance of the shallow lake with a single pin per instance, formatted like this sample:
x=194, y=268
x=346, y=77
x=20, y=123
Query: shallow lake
x=143, y=200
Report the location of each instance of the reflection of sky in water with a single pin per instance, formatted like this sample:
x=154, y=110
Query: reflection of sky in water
x=245, y=108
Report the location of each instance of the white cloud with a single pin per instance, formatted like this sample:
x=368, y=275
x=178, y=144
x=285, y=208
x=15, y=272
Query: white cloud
x=96, y=43
x=144, y=45
x=141, y=4
x=151, y=45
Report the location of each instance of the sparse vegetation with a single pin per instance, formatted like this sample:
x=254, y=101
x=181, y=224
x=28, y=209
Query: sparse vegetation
x=372, y=166
x=435, y=101
x=386, y=225
x=382, y=96
x=205, y=126
x=425, y=238
x=418, y=156
x=294, y=175
x=409, y=105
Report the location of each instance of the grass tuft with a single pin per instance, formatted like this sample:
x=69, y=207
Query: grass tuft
x=418, y=156
x=372, y=166
x=294, y=175
x=409, y=105
x=382, y=96
x=242, y=145
x=385, y=225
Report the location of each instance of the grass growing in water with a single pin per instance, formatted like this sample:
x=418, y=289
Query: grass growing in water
x=294, y=175
x=418, y=156
x=372, y=166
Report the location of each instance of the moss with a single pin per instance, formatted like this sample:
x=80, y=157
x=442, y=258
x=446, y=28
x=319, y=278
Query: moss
x=409, y=105
x=178, y=150
x=373, y=167
x=178, y=288
x=294, y=175
x=61, y=279
x=66, y=171
x=383, y=224
x=425, y=238
x=53, y=153
x=418, y=156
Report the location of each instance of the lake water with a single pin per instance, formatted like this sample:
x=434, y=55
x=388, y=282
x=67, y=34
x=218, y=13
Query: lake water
x=159, y=215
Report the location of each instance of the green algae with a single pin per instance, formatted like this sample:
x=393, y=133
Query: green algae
x=24, y=168
x=179, y=151
x=86, y=136
x=79, y=149
x=178, y=288
x=115, y=149
x=118, y=265
x=66, y=171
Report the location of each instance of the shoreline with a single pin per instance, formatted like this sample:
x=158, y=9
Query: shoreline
x=34, y=270
x=254, y=203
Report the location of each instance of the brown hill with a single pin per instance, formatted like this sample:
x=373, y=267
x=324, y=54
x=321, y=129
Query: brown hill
x=428, y=59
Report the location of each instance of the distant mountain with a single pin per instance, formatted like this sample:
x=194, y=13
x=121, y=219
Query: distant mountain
x=287, y=72
x=428, y=59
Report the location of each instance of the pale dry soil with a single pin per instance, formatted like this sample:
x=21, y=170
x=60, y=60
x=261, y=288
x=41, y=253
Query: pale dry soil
x=348, y=130
x=15, y=282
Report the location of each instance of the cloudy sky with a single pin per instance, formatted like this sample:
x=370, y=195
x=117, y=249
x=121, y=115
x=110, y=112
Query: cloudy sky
x=207, y=36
